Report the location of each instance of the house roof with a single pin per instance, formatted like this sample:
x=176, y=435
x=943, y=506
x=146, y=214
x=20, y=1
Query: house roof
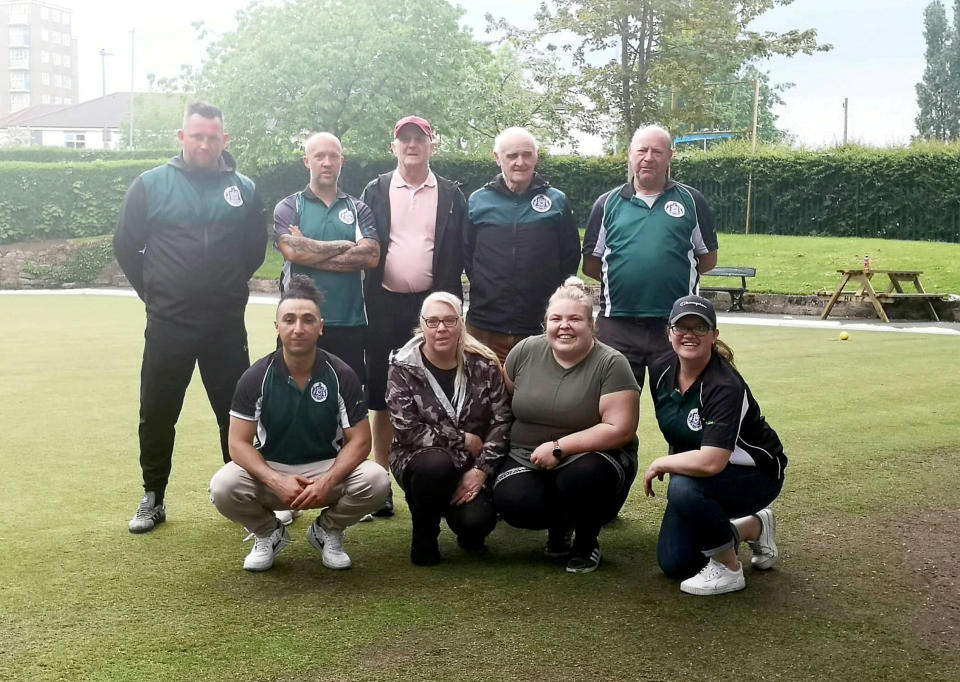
x=111, y=111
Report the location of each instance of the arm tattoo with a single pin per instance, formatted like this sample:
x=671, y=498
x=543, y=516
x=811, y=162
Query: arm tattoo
x=356, y=258
x=311, y=252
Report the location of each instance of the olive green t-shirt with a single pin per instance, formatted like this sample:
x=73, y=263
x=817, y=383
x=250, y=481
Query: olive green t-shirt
x=550, y=402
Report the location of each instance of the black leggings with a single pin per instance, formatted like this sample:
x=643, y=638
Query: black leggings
x=429, y=481
x=583, y=495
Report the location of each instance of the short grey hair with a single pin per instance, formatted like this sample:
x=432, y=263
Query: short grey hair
x=652, y=127
x=498, y=140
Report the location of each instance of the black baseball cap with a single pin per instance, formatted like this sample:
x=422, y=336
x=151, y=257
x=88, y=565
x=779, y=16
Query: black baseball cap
x=694, y=305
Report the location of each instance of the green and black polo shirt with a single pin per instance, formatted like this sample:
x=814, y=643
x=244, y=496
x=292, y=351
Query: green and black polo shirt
x=648, y=253
x=294, y=426
x=346, y=218
x=717, y=410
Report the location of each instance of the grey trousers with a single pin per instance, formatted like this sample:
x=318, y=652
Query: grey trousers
x=244, y=499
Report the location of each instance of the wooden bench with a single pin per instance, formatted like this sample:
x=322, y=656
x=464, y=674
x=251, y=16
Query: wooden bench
x=736, y=292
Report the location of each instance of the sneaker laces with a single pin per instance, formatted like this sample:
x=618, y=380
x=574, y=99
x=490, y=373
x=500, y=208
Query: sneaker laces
x=713, y=570
x=145, y=510
x=334, y=541
x=263, y=544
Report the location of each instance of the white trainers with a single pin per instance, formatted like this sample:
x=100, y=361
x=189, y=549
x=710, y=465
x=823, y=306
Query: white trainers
x=265, y=548
x=366, y=518
x=714, y=578
x=330, y=545
x=764, y=548
x=149, y=514
x=286, y=516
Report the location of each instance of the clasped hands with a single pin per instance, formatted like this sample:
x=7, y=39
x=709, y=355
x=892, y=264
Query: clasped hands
x=300, y=492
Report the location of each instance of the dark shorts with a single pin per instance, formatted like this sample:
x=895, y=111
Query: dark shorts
x=641, y=339
x=392, y=320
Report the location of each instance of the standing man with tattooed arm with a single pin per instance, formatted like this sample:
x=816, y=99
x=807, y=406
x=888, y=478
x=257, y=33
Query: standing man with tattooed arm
x=330, y=236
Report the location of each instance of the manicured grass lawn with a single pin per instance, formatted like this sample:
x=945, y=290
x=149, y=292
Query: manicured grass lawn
x=868, y=527
x=804, y=265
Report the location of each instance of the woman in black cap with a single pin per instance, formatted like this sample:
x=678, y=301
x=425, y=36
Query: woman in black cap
x=726, y=463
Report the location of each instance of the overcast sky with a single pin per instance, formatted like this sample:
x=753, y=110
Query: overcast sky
x=876, y=61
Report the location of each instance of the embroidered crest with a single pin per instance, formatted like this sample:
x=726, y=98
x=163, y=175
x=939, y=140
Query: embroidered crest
x=675, y=209
x=693, y=420
x=232, y=196
x=346, y=216
x=319, y=392
x=541, y=203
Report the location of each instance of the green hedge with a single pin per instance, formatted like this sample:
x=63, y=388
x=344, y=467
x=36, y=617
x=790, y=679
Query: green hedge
x=49, y=154
x=62, y=200
x=894, y=194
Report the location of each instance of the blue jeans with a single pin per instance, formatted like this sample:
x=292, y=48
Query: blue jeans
x=696, y=524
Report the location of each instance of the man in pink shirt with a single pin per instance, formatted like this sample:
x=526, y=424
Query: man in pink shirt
x=420, y=219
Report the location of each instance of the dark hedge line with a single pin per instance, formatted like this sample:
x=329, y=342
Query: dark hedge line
x=895, y=194
x=50, y=154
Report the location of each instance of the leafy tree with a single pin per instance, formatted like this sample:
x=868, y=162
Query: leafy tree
x=156, y=119
x=936, y=92
x=632, y=55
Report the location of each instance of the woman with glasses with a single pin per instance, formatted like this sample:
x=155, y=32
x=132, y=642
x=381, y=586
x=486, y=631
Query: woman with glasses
x=573, y=444
x=451, y=416
x=726, y=463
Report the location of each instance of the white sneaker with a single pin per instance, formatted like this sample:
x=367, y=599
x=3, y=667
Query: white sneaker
x=764, y=548
x=330, y=545
x=265, y=548
x=714, y=578
x=149, y=514
x=286, y=516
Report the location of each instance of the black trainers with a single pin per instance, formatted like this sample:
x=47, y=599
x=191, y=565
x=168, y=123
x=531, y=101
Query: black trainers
x=584, y=562
x=559, y=543
x=386, y=511
x=149, y=514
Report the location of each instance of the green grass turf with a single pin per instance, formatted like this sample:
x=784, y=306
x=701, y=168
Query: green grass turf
x=803, y=265
x=869, y=424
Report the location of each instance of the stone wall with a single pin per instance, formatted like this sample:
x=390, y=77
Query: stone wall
x=59, y=264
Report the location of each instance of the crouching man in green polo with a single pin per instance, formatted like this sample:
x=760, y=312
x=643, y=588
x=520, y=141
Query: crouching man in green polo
x=299, y=439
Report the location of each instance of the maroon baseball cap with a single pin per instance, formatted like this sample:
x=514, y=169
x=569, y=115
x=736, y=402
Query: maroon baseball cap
x=422, y=123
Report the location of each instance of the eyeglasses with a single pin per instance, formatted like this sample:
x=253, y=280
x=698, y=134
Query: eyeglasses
x=698, y=330
x=434, y=322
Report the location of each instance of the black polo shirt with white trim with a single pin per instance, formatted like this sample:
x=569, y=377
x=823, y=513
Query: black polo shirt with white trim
x=294, y=426
x=717, y=410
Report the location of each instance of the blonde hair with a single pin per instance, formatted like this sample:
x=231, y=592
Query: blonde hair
x=466, y=343
x=724, y=351
x=573, y=289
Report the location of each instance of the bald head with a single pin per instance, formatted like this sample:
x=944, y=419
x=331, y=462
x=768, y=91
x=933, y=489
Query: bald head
x=323, y=155
x=653, y=132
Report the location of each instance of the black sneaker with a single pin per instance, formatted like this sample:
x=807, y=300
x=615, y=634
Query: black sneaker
x=425, y=553
x=584, y=563
x=559, y=543
x=149, y=514
x=386, y=511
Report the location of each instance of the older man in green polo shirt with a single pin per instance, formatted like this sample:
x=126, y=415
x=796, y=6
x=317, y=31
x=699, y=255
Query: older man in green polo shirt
x=299, y=439
x=330, y=236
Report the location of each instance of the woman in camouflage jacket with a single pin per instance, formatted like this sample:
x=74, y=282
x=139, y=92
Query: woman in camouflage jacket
x=451, y=416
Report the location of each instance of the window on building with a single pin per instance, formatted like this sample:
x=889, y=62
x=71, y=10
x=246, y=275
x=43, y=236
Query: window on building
x=44, y=35
x=19, y=58
x=56, y=58
x=65, y=39
x=66, y=60
x=74, y=140
x=57, y=99
x=19, y=100
x=68, y=100
x=55, y=15
x=19, y=80
x=44, y=57
x=57, y=80
x=45, y=77
x=67, y=82
x=19, y=14
x=66, y=18
x=36, y=137
x=45, y=99
x=44, y=12
x=19, y=37
x=55, y=37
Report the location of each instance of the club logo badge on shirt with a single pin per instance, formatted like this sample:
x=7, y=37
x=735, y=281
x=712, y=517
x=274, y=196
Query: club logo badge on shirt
x=346, y=216
x=319, y=392
x=675, y=209
x=693, y=420
x=232, y=196
x=541, y=203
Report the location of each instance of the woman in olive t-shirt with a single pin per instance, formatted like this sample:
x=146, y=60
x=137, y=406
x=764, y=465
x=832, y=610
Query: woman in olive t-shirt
x=573, y=446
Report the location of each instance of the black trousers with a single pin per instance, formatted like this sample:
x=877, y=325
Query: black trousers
x=429, y=481
x=170, y=352
x=584, y=495
x=348, y=344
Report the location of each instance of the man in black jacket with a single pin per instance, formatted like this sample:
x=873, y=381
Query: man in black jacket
x=520, y=243
x=191, y=234
x=420, y=219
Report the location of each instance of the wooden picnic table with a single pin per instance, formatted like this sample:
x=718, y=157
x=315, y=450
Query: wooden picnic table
x=894, y=291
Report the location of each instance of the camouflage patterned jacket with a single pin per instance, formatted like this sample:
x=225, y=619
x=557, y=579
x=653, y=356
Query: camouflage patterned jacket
x=423, y=416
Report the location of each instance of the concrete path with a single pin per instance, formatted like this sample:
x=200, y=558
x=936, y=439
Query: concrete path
x=750, y=319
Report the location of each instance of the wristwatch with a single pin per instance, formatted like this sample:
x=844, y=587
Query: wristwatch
x=557, y=452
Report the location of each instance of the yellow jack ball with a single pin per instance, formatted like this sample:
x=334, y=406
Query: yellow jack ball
x=844, y=336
